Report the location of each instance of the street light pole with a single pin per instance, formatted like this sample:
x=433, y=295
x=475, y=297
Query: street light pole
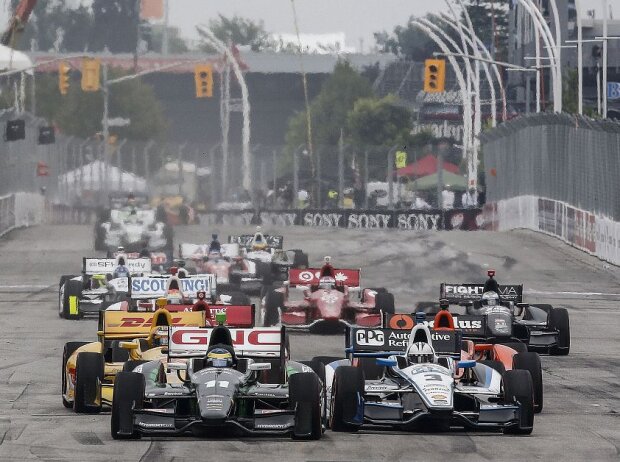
x=106, y=130
x=605, y=49
x=579, y=56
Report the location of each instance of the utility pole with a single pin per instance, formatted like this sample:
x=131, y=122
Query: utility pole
x=605, y=49
x=106, y=130
x=164, y=40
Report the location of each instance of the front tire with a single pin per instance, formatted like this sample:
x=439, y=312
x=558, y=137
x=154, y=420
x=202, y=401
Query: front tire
x=531, y=362
x=89, y=370
x=558, y=320
x=305, y=398
x=128, y=394
x=384, y=301
x=68, y=350
x=71, y=293
x=518, y=388
x=347, y=394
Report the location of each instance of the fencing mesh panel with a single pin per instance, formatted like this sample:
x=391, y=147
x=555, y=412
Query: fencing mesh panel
x=558, y=156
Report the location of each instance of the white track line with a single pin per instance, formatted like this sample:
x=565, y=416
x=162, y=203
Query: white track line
x=582, y=294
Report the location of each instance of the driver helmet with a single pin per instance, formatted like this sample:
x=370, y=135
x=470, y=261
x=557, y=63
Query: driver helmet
x=219, y=357
x=327, y=282
x=420, y=353
x=160, y=336
x=490, y=299
x=98, y=281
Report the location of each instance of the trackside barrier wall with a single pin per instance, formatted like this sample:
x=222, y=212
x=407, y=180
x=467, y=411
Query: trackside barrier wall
x=594, y=234
x=455, y=219
x=21, y=210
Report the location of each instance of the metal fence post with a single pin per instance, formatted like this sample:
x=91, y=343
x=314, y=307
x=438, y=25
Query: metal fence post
x=390, y=176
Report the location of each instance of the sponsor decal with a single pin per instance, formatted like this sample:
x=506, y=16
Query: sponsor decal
x=196, y=339
x=156, y=425
x=369, y=337
x=418, y=221
x=155, y=286
x=271, y=426
x=278, y=219
x=368, y=220
x=329, y=220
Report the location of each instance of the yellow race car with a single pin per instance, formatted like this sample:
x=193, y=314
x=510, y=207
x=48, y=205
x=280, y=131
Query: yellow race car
x=89, y=368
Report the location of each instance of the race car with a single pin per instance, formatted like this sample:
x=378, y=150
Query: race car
x=325, y=299
x=103, y=281
x=238, y=379
x=134, y=225
x=500, y=316
x=221, y=262
x=415, y=380
x=160, y=260
x=264, y=262
x=89, y=368
x=501, y=357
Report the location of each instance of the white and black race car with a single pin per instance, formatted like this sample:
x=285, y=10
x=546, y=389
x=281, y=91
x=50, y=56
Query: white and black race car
x=96, y=287
x=416, y=380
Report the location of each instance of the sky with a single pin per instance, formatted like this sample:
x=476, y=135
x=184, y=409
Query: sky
x=358, y=19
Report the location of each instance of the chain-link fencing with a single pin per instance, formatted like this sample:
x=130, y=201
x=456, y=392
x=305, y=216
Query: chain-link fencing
x=571, y=159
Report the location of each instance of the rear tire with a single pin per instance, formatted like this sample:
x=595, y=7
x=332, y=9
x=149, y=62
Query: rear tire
x=300, y=260
x=68, y=350
x=119, y=355
x=370, y=368
x=305, y=398
x=384, y=301
x=130, y=365
x=531, y=362
x=319, y=369
x=89, y=370
x=273, y=302
x=346, y=398
x=128, y=394
x=519, y=347
x=326, y=359
x=497, y=365
x=71, y=289
x=558, y=319
x=518, y=389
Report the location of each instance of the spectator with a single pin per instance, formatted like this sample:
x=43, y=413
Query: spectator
x=447, y=198
x=470, y=198
x=419, y=203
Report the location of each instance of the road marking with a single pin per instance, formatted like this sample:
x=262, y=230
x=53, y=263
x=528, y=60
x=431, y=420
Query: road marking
x=23, y=287
x=583, y=294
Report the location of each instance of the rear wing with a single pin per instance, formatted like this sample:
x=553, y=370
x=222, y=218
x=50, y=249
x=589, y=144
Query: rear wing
x=199, y=251
x=245, y=241
x=126, y=325
x=311, y=277
x=470, y=325
x=157, y=258
x=187, y=342
x=386, y=342
x=236, y=315
x=95, y=265
x=150, y=287
x=461, y=293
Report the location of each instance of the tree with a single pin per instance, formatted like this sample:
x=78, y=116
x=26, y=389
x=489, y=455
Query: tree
x=490, y=21
x=80, y=113
x=56, y=26
x=239, y=30
x=379, y=122
x=115, y=25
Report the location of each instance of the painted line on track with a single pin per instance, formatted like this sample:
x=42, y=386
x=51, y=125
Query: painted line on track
x=581, y=294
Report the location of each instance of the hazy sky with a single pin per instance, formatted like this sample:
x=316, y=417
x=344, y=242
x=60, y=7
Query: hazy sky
x=358, y=19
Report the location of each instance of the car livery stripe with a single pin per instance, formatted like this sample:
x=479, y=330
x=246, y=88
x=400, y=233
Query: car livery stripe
x=73, y=305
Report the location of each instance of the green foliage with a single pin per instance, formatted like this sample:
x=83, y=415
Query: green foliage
x=80, y=113
x=409, y=42
x=490, y=21
x=240, y=31
x=379, y=122
x=53, y=19
x=570, y=92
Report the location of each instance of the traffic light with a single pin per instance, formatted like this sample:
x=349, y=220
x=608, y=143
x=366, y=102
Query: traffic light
x=203, y=75
x=63, y=78
x=90, y=74
x=434, y=75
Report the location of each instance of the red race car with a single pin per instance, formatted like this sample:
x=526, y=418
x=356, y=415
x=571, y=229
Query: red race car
x=320, y=298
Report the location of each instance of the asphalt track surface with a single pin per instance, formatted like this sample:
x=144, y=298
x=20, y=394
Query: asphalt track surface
x=580, y=420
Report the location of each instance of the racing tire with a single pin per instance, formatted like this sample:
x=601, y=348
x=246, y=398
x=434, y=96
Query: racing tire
x=518, y=388
x=239, y=298
x=305, y=398
x=347, y=392
x=63, y=279
x=558, y=320
x=128, y=394
x=119, y=355
x=319, y=369
x=497, y=365
x=89, y=371
x=519, y=347
x=263, y=272
x=531, y=362
x=67, y=351
x=273, y=302
x=71, y=289
x=300, y=260
x=384, y=301
x=130, y=365
x=370, y=368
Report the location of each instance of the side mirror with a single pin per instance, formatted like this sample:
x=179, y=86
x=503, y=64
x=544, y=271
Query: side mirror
x=129, y=345
x=259, y=367
x=387, y=362
x=177, y=366
x=466, y=364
